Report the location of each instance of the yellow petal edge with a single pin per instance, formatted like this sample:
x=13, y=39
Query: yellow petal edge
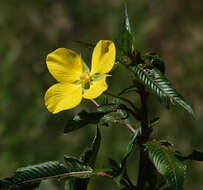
x=64, y=64
x=103, y=57
x=62, y=96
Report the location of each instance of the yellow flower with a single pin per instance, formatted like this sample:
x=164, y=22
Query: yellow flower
x=74, y=78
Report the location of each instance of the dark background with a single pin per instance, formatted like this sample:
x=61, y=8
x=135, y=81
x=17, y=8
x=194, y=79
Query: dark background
x=29, y=30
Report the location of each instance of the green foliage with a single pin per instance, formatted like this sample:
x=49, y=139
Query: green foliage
x=159, y=167
x=90, y=155
x=30, y=177
x=83, y=119
x=128, y=37
x=167, y=164
x=156, y=61
x=160, y=86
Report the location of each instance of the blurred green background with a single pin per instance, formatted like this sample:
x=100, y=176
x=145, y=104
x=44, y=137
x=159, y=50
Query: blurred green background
x=29, y=30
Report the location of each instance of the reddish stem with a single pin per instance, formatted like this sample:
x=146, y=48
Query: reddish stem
x=132, y=130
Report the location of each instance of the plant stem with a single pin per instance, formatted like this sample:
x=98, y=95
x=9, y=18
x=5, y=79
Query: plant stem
x=61, y=176
x=132, y=130
x=143, y=162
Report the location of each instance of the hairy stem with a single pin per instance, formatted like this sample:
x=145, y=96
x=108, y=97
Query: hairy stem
x=64, y=175
x=143, y=162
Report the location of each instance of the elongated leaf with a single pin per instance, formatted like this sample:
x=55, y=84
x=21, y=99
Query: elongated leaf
x=159, y=85
x=86, y=44
x=30, y=177
x=90, y=154
x=128, y=37
x=83, y=119
x=167, y=164
x=88, y=158
x=129, y=89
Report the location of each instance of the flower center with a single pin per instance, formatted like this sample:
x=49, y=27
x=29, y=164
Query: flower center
x=85, y=80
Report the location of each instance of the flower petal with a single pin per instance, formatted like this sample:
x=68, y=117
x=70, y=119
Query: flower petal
x=103, y=57
x=65, y=65
x=62, y=96
x=96, y=89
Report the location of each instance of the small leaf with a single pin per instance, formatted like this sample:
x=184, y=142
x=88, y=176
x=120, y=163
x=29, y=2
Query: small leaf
x=83, y=119
x=167, y=164
x=156, y=61
x=160, y=86
x=128, y=37
x=102, y=100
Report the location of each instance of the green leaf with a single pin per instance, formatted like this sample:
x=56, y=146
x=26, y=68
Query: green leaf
x=31, y=176
x=131, y=142
x=83, y=119
x=90, y=154
x=119, y=170
x=128, y=37
x=129, y=89
x=86, y=44
x=102, y=100
x=153, y=122
x=88, y=159
x=77, y=166
x=167, y=164
x=156, y=61
x=159, y=85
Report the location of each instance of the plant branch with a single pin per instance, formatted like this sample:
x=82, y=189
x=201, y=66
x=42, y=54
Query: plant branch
x=132, y=130
x=64, y=175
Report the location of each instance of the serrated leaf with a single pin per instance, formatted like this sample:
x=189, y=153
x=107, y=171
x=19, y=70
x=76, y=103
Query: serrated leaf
x=30, y=177
x=167, y=164
x=128, y=37
x=75, y=165
x=83, y=119
x=161, y=87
